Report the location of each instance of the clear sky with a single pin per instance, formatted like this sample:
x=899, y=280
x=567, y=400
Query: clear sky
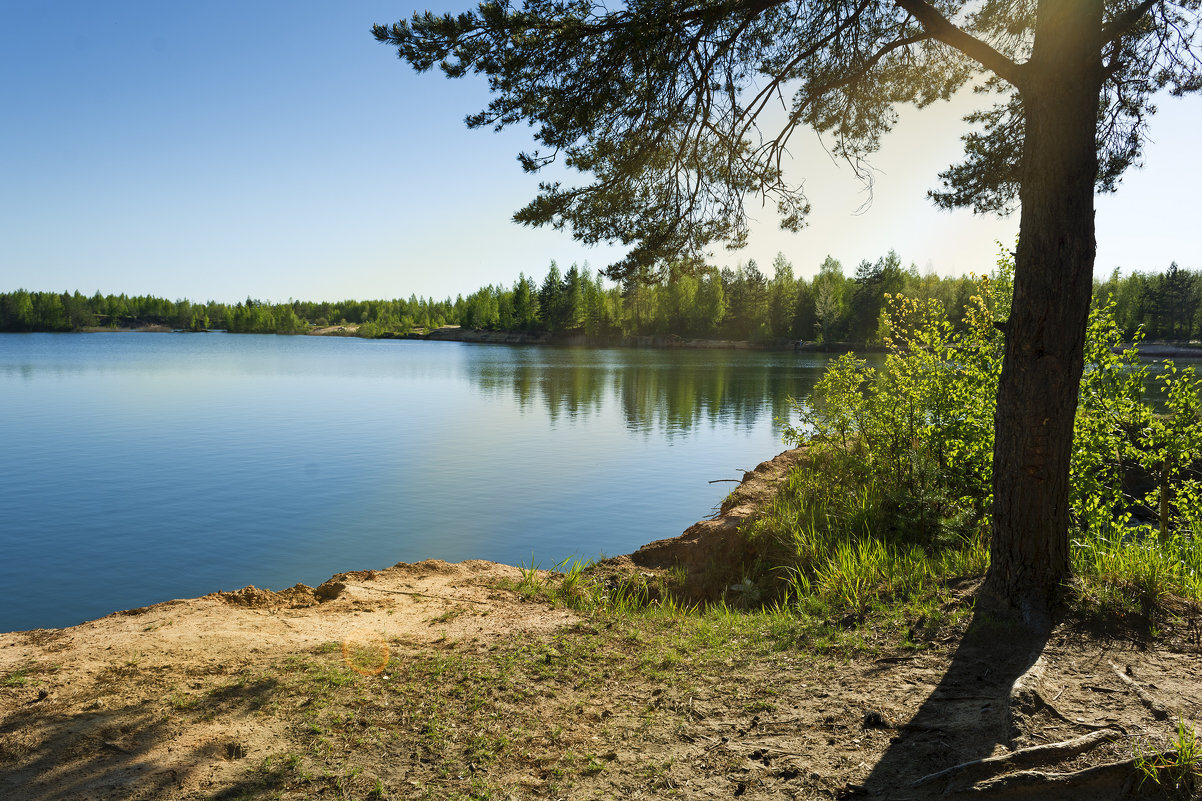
x=221, y=149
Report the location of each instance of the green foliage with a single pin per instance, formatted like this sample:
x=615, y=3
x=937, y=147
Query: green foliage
x=916, y=432
x=1164, y=305
x=874, y=283
x=1142, y=543
x=911, y=445
x=48, y=311
x=573, y=584
x=694, y=301
x=18, y=678
x=254, y=317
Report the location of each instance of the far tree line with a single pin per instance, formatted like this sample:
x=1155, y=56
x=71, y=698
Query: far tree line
x=739, y=303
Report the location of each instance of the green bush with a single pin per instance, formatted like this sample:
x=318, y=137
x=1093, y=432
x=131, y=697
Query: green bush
x=895, y=496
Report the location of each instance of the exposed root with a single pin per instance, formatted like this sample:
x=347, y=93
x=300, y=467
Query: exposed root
x=1024, y=693
x=1101, y=781
x=1026, y=699
x=1155, y=707
x=979, y=769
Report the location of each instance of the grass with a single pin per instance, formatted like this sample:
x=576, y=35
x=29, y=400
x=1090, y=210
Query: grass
x=1178, y=766
x=547, y=717
x=850, y=555
x=29, y=675
x=18, y=678
x=571, y=584
x=1136, y=568
x=858, y=549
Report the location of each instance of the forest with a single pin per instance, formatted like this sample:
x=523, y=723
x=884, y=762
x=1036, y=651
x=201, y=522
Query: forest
x=739, y=303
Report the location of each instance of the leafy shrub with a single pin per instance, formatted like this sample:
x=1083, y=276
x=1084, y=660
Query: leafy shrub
x=900, y=462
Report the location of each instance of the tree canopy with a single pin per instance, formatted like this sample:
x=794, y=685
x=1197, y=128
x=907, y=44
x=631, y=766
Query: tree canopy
x=675, y=108
x=666, y=104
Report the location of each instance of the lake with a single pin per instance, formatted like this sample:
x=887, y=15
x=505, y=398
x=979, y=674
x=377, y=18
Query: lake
x=143, y=467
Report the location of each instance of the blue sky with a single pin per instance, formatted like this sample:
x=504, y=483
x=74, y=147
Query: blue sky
x=222, y=149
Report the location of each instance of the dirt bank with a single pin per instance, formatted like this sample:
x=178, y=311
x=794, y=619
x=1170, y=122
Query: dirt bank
x=711, y=552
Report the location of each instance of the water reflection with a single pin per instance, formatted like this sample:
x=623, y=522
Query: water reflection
x=666, y=393
x=147, y=467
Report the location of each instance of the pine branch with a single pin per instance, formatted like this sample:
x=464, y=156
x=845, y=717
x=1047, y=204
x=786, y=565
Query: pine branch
x=941, y=29
x=1124, y=22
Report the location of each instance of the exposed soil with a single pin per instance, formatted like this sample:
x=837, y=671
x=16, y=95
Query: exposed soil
x=488, y=694
x=347, y=330
x=711, y=552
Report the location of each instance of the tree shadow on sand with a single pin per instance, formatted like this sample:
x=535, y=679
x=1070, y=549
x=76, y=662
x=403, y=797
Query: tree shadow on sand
x=972, y=736
x=56, y=751
x=967, y=715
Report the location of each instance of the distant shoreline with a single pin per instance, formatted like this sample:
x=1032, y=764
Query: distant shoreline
x=1165, y=350
x=453, y=333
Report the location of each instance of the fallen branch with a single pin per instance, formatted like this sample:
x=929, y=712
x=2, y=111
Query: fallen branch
x=1022, y=758
x=1155, y=707
x=773, y=749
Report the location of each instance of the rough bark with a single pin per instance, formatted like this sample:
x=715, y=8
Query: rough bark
x=1041, y=370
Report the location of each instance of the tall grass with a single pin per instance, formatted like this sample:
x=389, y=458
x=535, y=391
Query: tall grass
x=574, y=584
x=1137, y=567
x=852, y=548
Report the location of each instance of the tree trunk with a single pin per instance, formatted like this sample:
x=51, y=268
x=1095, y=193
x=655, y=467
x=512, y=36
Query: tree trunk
x=1053, y=280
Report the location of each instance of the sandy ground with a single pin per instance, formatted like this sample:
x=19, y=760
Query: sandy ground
x=348, y=330
x=89, y=730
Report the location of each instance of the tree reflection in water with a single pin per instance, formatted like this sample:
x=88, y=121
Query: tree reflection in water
x=666, y=392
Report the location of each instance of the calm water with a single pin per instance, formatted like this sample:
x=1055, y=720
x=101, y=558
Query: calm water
x=142, y=467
